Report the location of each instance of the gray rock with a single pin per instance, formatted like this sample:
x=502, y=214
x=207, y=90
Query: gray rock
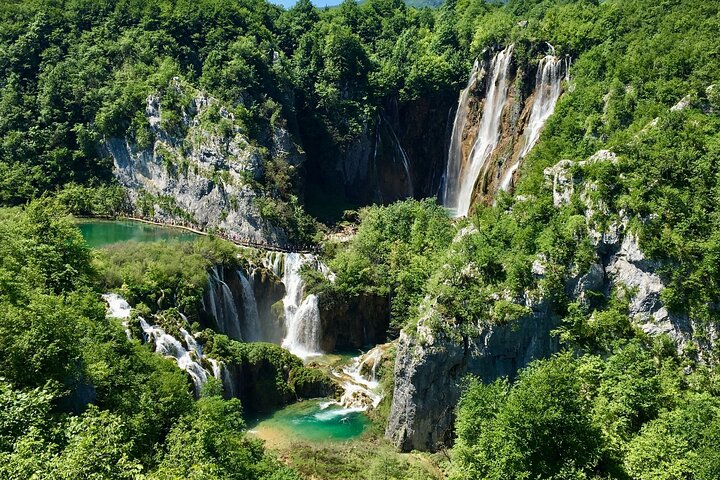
x=430, y=366
x=204, y=176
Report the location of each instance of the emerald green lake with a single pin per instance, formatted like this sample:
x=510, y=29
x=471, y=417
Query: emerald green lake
x=310, y=421
x=101, y=233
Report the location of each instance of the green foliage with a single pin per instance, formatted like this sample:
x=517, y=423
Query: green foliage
x=540, y=428
x=80, y=400
x=631, y=413
x=210, y=444
x=164, y=275
x=267, y=369
x=104, y=201
x=395, y=251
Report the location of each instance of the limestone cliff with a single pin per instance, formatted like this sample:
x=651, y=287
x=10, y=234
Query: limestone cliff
x=199, y=167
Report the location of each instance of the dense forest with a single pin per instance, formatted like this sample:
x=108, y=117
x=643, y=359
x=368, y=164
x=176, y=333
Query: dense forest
x=81, y=398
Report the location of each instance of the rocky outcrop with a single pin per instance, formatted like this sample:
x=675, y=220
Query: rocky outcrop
x=430, y=365
x=313, y=383
x=198, y=168
x=259, y=374
x=269, y=292
x=622, y=262
x=352, y=323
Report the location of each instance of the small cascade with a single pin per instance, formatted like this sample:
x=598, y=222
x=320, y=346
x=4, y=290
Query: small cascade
x=455, y=157
x=360, y=382
x=251, y=331
x=274, y=262
x=118, y=308
x=403, y=156
x=168, y=346
x=219, y=302
x=302, y=316
x=488, y=134
x=548, y=84
x=188, y=356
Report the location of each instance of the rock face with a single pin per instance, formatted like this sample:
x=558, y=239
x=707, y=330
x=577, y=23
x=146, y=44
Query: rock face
x=199, y=171
x=430, y=366
x=353, y=323
x=621, y=261
x=399, y=154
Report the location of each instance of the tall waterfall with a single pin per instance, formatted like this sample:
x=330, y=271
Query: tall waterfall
x=403, y=157
x=547, y=91
x=251, y=331
x=455, y=156
x=466, y=175
x=302, y=317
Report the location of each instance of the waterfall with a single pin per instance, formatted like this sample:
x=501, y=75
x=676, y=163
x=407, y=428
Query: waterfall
x=403, y=157
x=302, y=317
x=118, y=308
x=547, y=91
x=488, y=131
x=251, y=332
x=187, y=359
x=222, y=305
x=360, y=381
x=455, y=160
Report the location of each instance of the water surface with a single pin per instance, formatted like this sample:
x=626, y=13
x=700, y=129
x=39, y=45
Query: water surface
x=101, y=233
x=311, y=421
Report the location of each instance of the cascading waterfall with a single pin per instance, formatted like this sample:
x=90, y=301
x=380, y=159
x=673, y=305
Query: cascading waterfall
x=488, y=134
x=548, y=84
x=359, y=380
x=251, y=332
x=219, y=301
x=302, y=316
x=188, y=359
x=169, y=346
x=118, y=308
x=454, y=163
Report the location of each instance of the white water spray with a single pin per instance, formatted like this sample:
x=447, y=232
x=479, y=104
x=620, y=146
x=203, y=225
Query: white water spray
x=459, y=199
x=219, y=302
x=118, y=308
x=302, y=316
x=455, y=157
x=169, y=346
x=548, y=84
x=251, y=331
x=360, y=382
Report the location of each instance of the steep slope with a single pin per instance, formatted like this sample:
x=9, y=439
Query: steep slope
x=199, y=169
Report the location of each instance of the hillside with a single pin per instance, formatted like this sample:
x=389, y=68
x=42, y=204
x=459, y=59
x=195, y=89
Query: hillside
x=478, y=240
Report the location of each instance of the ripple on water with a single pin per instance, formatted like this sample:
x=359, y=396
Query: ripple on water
x=310, y=421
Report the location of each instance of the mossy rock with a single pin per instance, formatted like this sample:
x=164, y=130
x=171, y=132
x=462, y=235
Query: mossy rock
x=312, y=383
